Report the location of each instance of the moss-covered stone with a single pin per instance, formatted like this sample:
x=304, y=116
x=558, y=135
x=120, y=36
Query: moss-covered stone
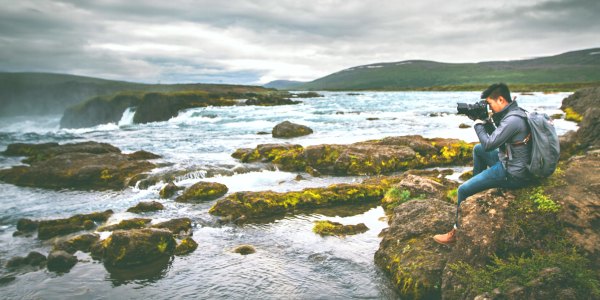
x=169, y=190
x=287, y=129
x=85, y=166
x=327, y=227
x=27, y=225
x=364, y=158
x=60, y=261
x=146, y=206
x=134, y=223
x=253, y=205
x=244, y=249
x=203, y=191
x=180, y=226
x=51, y=228
x=134, y=247
x=187, y=245
x=81, y=242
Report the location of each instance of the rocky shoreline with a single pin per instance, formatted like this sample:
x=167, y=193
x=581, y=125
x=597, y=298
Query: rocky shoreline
x=552, y=227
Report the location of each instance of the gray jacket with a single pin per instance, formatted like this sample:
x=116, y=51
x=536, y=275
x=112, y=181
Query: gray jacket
x=511, y=127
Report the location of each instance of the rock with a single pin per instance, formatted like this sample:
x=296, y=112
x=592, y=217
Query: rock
x=52, y=228
x=81, y=243
x=581, y=100
x=99, y=110
x=270, y=100
x=384, y=156
x=82, y=166
x=244, y=249
x=334, y=228
x=15, y=262
x=372, y=119
x=288, y=129
x=134, y=223
x=466, y=175
x=180, y=226
x=35, y=259
x=588, y=133
x=262, y=133
x=60, y=261
x=256, y=205
x=407, y=251
x=27, y=225
x=417, y=187
x=6, y=279
x=169, y=190
x=142, y=154
x=125, y=248
x=308, y=95
x=556, y=116
x=203, y=191
x=463, y=125
x=146, y=206
x=187, y=245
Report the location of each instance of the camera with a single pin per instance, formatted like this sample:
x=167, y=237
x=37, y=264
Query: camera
x=473, y=111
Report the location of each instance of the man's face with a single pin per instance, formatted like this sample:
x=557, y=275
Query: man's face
x=496, y=105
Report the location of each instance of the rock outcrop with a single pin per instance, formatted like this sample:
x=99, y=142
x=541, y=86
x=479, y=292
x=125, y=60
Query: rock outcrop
x=203, y=191
x=84, y=166
x=383, y=156
x=125, y=248
x=287, y=129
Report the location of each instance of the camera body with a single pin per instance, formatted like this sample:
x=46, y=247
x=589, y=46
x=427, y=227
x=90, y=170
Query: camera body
x=476, y=111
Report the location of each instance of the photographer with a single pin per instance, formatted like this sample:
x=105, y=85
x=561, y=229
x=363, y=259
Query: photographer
x=501, y=158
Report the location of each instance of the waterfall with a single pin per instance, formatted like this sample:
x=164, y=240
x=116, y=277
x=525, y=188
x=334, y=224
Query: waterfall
x=127, y=118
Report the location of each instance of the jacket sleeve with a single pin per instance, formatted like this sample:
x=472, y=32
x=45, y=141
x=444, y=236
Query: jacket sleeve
x=501, y=135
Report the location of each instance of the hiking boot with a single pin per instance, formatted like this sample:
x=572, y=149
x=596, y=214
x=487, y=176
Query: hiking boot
x=447, y=238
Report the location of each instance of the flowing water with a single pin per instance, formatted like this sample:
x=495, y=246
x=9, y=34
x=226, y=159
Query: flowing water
x=291, y=262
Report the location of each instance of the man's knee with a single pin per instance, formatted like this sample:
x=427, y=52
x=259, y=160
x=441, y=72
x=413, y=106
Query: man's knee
x=478, y=149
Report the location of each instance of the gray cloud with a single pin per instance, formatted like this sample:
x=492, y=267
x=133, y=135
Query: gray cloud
x=257, y=41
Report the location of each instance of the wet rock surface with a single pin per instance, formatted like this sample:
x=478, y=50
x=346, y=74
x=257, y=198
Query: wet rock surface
x=244, y=249
x=135, y=247
x=51, y=228
x=326, y=227
x=288, y=129
x=203, y=191
x=146, y=206
x=81, y=243
x=383, y=156
x=187, y=245
x=61, y=261
x=134, y=223
x=408, y=253
x=84, y=166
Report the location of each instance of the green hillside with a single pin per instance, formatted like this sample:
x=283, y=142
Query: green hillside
x=568, y=71
x=46, y=93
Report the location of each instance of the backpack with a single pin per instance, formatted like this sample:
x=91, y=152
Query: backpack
x=545, y=147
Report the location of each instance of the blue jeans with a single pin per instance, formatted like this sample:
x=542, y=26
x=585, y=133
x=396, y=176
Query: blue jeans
x=488, y=173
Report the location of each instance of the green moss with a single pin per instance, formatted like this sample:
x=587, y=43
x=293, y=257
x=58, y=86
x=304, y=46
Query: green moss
x=522, y=270
x=452, y=195
x=162, y=246
x=394, y=197
x=572, y=115
x=542, y=201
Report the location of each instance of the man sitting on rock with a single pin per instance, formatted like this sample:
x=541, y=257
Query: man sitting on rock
x=501, y=158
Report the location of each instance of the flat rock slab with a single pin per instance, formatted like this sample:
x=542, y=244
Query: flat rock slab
x=83, y=166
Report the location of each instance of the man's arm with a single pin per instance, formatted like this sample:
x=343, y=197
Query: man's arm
x=505, y=131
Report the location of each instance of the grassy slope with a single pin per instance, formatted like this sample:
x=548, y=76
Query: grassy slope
x=46, y=93
x=565, y=71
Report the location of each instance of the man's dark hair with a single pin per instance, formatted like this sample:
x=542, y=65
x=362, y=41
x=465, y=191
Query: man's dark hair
x=495, y=90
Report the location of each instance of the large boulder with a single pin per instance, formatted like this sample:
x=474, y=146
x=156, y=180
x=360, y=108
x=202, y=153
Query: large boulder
x=85, y=166
x=384, y=156
x=247, y=206
x=81, y=242
x=125, y=248
x=203, y=191
x=408, y=253
x=287, y=129
x=51, y=228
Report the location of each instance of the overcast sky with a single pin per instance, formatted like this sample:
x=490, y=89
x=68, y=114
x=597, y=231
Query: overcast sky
x=254, y=42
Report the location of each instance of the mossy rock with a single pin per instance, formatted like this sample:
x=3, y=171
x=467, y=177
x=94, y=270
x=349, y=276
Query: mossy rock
x=187, y=245
x=326, y=227
x=27, y=225
x=81, y=242
x=125, y=248
x=179, y=226
x=244, y=249
x=147, y=206
x=51, y=228
x=254, y=205
x=287, y=129
x=134, y=223
x=60, y=261
x=34, y=258
x=374, y=157
x=203, y=191
x=169, y=190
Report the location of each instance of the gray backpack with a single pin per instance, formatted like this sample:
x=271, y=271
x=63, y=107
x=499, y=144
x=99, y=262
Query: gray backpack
x=545, y=148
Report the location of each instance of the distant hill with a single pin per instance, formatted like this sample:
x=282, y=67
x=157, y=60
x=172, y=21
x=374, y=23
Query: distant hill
x=284, y=84
x=47, y=93
x=568, y=70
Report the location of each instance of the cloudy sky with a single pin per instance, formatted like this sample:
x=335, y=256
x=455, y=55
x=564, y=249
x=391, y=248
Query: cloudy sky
x=254, y=42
